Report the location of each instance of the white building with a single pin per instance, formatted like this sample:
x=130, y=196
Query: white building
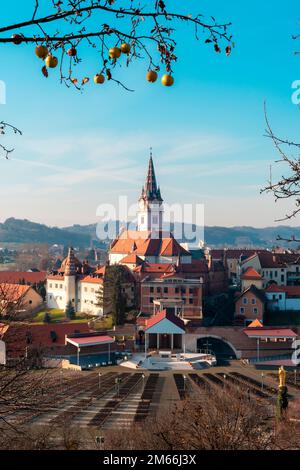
x=85, y=288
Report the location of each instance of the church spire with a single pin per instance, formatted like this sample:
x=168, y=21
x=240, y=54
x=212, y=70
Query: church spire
x=151, y=191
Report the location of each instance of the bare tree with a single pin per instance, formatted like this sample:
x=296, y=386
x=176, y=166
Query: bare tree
x=12, y=301
x=4, y=127
x=108, y=28
x=288, y=186
x=217, y=421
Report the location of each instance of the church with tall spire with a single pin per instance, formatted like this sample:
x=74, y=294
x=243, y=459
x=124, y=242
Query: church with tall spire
x=149, y=242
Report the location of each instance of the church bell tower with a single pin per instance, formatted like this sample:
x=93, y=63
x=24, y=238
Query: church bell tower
x=150, y=213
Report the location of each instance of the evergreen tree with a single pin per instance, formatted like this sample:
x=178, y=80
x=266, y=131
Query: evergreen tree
x=70, y=311
x=47, y=318
x=111, y=296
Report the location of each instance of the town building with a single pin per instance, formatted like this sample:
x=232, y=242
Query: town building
x=281, y=269
x=19, y=300
x=86, y=288
x=283, y=298
x=250, y=305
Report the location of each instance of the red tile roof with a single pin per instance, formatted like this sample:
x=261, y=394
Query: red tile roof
x=142, y=244
x=164, y=314
x=92, y=280
x=16, y=277
x=270, y=333
x=13, y=292
x=291, y=291
x=256, y=324
x=251, y=274
x=132, y=259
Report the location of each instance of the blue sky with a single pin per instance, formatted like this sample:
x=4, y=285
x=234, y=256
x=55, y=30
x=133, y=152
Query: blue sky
x=207, y=132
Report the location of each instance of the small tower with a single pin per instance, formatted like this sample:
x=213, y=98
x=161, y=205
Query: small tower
x=70, y=278
x=150, y=213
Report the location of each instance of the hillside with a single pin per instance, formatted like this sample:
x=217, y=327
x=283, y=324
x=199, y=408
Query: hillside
x=24, y=231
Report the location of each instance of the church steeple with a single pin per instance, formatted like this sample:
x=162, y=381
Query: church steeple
x=150, y=190
x=150, y=203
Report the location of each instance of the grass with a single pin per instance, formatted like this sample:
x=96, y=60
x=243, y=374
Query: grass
x=103, y=323
x=57, y=316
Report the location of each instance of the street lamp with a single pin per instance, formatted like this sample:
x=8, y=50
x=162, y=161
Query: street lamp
x=262, y=381
x=100, y=380
x=143, y=380
x=99, y=441
x=184, y=383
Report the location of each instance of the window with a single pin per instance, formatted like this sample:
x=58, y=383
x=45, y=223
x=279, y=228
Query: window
x=158, y=290
x=176, y=290
x=165, y=290
x=50, y=285
x=184, y=300
x=242, y=310
x=56, y=286
x=191, y=301
x=282, y=278
x=183, y=290
x=245, y=300
x=60, y=286
x=85, y=289
x=253, y=301
x=151, y=300
x=255, y=311
x=280, y=297
x=275, y=273
x=151, y=289
x=191, y=291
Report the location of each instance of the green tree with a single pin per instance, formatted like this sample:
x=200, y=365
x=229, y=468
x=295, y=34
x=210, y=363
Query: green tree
x=111, y=296
x=70, y=311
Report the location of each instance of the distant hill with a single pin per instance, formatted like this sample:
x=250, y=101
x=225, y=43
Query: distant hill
x=24, y=231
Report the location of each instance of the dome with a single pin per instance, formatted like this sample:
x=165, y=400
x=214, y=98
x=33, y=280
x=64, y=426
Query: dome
x=77, y=263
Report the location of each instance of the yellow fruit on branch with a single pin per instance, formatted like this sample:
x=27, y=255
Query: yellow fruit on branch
x=167, y=80
x=41, y=51
x=72, y=52
x=114, y=52
x=151, y=76
x=51, y=61
x=125, y=48
x=17, y=39
x=99, y=78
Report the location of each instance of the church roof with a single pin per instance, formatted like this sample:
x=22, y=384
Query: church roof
x=141, y=244
x=132, y=259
